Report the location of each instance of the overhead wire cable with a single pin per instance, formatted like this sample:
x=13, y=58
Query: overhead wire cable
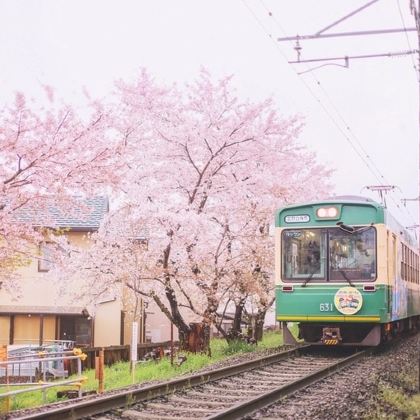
x=313, y=94
x=366, y=158
x=407, y=39
x=321, y=87
x=414, y=67
x=378, y=175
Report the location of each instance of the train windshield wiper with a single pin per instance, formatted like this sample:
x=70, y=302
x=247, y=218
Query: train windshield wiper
x=345, y=228
x=351, y=229
x=343, y=273
x=308, y=279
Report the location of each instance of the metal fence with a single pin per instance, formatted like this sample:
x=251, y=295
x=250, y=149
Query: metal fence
x=40, y=368
x=38, y=372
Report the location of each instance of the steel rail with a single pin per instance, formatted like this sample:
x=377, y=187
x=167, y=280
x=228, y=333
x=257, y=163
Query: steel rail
x=246, y=408
x=116, y=399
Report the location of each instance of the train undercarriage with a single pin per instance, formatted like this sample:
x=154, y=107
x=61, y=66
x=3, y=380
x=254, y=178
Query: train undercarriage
x=349, y=334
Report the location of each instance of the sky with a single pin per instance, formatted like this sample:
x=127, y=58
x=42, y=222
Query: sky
x=372, y=106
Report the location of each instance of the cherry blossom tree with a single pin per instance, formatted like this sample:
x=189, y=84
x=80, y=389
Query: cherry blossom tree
x=46, y=153
x=253, y=290
x=203, y=166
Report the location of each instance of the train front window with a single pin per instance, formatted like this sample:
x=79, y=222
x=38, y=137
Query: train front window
x=352, y=255
x=304, y=254
x=329, y=254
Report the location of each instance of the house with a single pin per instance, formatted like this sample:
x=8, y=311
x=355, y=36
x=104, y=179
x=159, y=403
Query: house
x=46, y=310
x=41, y=312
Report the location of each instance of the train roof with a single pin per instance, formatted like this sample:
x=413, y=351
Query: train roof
x=341, y=199
x=364, y=211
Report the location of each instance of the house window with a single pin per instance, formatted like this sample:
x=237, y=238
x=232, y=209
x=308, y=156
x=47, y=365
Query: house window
x=46, y=257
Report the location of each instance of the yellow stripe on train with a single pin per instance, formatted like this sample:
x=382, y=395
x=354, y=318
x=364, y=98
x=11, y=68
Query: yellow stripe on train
x=350, y=318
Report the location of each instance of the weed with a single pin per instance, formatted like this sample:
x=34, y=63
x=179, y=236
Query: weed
x=397, y=397
x=404, y=405
x=238, y=346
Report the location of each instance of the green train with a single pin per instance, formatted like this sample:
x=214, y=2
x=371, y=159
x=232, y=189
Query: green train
x=346, y=271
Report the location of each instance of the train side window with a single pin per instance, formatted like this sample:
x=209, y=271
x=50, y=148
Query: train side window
x=409, y=265
x=412, y=267
x=394, y=257
x=403, y=262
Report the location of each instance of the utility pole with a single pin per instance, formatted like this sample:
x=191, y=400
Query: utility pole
x=415, y=11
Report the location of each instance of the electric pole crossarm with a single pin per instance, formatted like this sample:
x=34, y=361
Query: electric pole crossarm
x=404, y=200
x=341, y=34
x=355, y=57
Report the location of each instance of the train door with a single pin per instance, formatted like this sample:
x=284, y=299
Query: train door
x=390, y=268
x=393, y=271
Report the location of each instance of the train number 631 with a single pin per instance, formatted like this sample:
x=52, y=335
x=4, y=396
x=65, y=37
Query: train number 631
x=326, y=307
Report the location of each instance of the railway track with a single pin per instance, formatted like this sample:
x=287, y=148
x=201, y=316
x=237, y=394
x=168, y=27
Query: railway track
x=226, y=393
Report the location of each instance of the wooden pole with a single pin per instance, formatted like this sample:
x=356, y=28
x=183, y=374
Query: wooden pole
x=5, y=404
x=41, y=330
x=172, y=343
x=100, y=371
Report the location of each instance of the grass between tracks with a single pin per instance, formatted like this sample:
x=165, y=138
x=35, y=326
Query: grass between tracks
x=118, y=375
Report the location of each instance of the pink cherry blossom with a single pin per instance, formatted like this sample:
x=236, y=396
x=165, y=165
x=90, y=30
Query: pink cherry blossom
x=204, y=173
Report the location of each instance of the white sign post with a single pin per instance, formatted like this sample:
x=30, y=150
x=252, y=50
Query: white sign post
x=134, y=341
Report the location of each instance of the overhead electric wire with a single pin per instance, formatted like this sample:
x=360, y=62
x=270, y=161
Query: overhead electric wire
x=366, y=159
x=311, y=91
x=346, y=125
x=317, y=81
x=407, y=39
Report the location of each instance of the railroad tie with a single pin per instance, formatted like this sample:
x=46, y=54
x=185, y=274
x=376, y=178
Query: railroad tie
x=203, y=401
x=133, y=415
x=164, y=407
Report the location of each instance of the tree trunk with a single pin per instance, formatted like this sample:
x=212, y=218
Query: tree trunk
x=236, y=332
x=260, y=318
x=259, y=325
x=198, y=338
x=173, y=314
x=183, y=329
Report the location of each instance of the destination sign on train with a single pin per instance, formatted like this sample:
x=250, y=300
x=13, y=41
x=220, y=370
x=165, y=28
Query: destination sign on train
x=299, y=218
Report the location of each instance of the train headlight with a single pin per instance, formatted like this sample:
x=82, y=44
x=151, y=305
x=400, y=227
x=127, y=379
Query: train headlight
x=327, y=213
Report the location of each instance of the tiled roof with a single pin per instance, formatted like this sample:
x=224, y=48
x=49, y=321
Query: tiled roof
x=76, y=214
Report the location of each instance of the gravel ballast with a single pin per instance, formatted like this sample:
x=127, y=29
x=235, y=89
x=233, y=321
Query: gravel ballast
x=384, y=385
